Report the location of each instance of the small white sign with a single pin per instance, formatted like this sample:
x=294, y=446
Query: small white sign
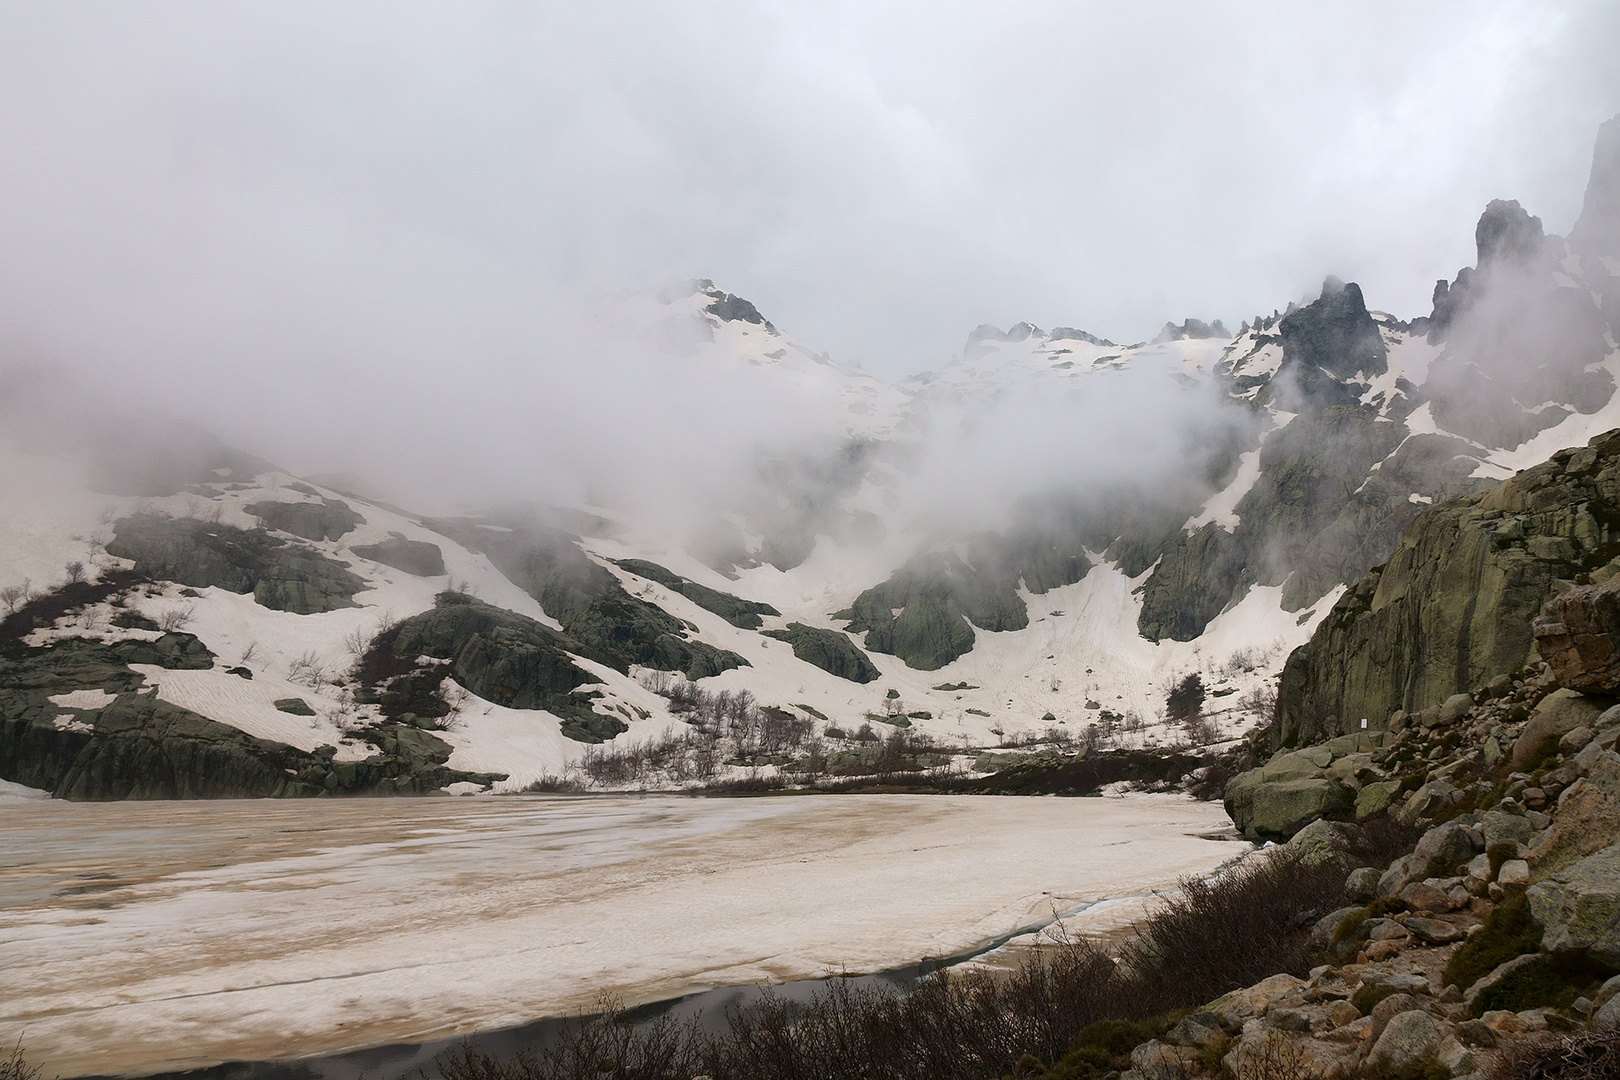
x=1363, y=723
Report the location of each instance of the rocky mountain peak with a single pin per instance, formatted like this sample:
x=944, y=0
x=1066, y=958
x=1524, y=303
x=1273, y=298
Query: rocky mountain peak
x=1335, y=333
x=1192, y=329
x=1597, y=230
x=1507, y=233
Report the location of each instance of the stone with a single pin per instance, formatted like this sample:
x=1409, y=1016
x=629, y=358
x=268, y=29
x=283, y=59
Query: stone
x=1322, y=933
x=416, y=557
x=1322, y=841
x=1388, y=1008
x=1276, y=811
x=1199, y=1029
x=1423, y=896
x=1442, y=849
x=1607, y=1016
x=1154, y=1060
x=1514, y=872
x=1379, y=951
x=1394, y=879
x=1588, y=820
x=1496, y=976
x=1457, y=1058
x=1341, y=1013
x=1434, y=931
x=1496, y=826
x=1575, y=741
x=1362, y=884
x=1607, y=991
x=1407, y=1036
x=1578, y=634
x=1559, y=713
x=1376, y=797
x=1455, y=708
x=1579, y=907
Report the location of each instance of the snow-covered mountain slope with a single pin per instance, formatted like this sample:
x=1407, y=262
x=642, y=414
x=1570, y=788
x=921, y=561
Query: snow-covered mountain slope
x=1036, y=540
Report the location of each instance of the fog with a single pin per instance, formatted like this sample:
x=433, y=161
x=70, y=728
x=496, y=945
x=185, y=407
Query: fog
x=364, y=237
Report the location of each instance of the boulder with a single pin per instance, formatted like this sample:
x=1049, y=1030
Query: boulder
x=1322, y=841
x=1327, y=926
x=1454, y=708
x=1199, y=1029
x=1607, y=1016
x=1427, y=801
x=1407, y=1037
x=1580, y=909
x=1426, y=896
x=1496, y=826
x=1276, y=811
x=1362, y=884
x=1559, y=713
x=1154, y=1060
x=1497, y=975
x=416, y=557
x=1442, y=849
x=1376, y=797
x=1433, y=931
x=1389, y=1008
x=1588, y=819
x=1578, y=634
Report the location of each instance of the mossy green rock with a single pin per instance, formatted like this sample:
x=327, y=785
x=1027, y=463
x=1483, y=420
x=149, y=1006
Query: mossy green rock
x=1376, y=797
x=1580, y=910
x=828, y=650
x=1453, y=606
x=328, y=519
x=283, y=575
x=1276, y=810
x=139, y=747
x=603, y=621
x=735, y=610
x=1557, y=714
x=416, y=557
x=503, y=657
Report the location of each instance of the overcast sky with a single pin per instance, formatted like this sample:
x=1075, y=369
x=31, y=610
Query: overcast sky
x=228, y=191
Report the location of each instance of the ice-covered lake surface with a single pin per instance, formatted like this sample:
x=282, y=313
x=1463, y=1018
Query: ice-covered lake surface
x=144, y=937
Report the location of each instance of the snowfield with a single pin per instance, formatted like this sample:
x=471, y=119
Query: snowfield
x=141, y=937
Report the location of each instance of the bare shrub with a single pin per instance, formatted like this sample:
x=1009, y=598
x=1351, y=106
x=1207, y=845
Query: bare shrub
x=358, y=640
x=723, y=725
x=1260, y=703
x=16, y=1067
x=308, y=670
x=555, y=785
x=250, y=654
x=74, y=571
x=14, y=597
x=1590, y=1055
x=175, y=618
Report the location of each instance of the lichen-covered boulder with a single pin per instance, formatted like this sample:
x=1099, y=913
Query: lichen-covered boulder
x=1580, y=909
x=1265, y=810
x=1588, y=818
x=1559, y=713
x=1407, y=1037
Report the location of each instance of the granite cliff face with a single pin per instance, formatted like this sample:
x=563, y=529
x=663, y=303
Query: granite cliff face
x=1454, y=605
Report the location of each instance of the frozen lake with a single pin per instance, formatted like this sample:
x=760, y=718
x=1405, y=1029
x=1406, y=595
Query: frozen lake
x=142, y=937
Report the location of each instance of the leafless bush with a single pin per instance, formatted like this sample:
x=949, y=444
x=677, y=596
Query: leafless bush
x=250, y=654
x=1590, y=1055
x=308, y=670
x=1201, y=730
x=555, y=785
x=14, y=597
x=732, y=723
x=215, y=512
x=358, y=640
x=16, y=1067
x=73, y=571
x=1260, y=703
x=175, y=618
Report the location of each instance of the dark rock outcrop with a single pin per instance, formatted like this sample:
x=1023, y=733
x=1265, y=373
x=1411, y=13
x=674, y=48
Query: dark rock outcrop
x=1578, y=634
x=1453, y=607
x=416, y=557
x=328, y=519
x=828, y=650
x=735, y=610
x=940, y=598
x=1335, y=333
x=281, y=574
x=137, y=746
x=499, y=655
x=603, y=621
